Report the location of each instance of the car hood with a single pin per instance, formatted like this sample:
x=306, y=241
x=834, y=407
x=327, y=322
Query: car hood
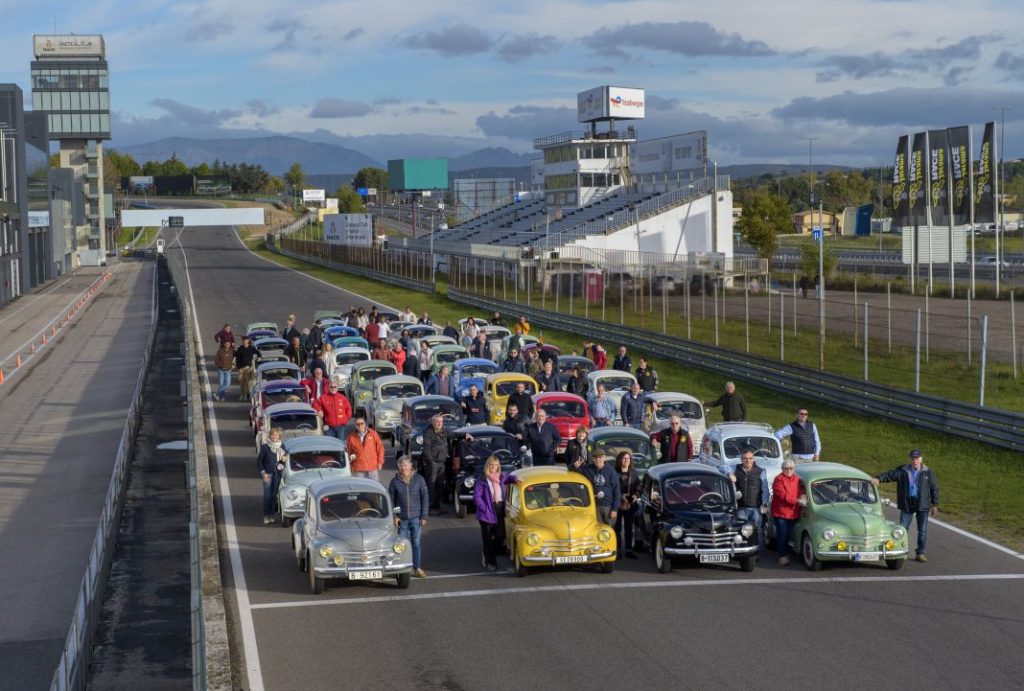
x=392, y=404
x=308, y=477
x=361, y=534
x=564, y=522
x=856, y=518
x=706, y=521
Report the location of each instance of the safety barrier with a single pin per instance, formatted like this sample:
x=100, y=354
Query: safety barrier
x=989, y=425
x=366, y=272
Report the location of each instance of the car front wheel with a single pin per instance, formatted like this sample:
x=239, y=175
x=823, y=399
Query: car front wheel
x=747, y=563
x=403, y=581
x=316, y=584
x=661, y=562
x=520, y=568
x=460, y=508
x=807, y=552
x=895, y=564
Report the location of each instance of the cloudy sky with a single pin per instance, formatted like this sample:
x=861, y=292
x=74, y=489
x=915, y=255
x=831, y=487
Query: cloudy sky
x=760, y=77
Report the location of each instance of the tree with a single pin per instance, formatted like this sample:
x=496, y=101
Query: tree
x=765, y=216
x=809, y=259
x=295, y=177
x=349, y=202
x=202, y=170
x=371, y=177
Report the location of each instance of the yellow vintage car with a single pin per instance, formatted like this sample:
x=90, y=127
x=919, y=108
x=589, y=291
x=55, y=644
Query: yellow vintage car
x=498, y=387
x=551, y=520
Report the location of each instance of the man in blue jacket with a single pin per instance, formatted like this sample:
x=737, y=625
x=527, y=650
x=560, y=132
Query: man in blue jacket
x=631, y=407
x=917, y=494
x=409, y=493
x=607, y=490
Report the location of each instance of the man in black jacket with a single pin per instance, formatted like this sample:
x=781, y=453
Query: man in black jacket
x=515, y=423
x=631, y=407
x=543, y=439
x=434, y=460
x=752, y=481
x=622, y=361
x=475, y=407
x=522, y=399
x=647, y=376
x=513, y=363
x=316, y=336
x=607, y=488
x=290, y=331
x=577, y=382
x=734, y=408
x=917, y=494
x=246, y=359
x=548, y=379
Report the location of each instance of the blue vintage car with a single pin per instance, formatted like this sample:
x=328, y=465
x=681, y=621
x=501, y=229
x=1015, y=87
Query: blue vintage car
x=338, y=331
x=469, y=371
x=350, y=342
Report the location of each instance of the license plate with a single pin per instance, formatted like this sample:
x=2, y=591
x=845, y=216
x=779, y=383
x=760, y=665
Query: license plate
x=576, y=559
x=714, y=558
x=860, y=556
x=365, y=575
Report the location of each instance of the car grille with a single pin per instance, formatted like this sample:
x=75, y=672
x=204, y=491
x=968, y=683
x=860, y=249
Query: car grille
x=869, y=542
x=723, y=539
x=372, y=556
x=572, y=545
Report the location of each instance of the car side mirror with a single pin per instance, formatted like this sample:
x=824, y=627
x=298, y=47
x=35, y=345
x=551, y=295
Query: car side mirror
x=397, y=510
x=802, y=500
x=739, y=494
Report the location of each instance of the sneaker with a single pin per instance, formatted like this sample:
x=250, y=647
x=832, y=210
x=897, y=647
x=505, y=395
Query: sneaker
x=419, y=573
x=922, y=558
x=783, y=561
x=492, y=567
x=267, y=520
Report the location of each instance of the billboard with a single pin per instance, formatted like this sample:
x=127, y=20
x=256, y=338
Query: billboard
x=668, y=154
x=38, y=219
x=331, y=203
x=610, y=102
x=417, y=174
x=313, y=195
x=68, y=46
x=141, y=181
x=349, y=229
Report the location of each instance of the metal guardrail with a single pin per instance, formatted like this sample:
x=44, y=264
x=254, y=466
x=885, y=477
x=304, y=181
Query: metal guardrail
x=401, y=281
x=73, y=670
x=989, y=425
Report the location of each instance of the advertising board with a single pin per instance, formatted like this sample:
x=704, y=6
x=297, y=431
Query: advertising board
x=605, y=102
x=680, y=152
x=313, y=195
x=38, y=219
x=349, y=229
x=141, y=182
x=331, y=203
x=416, y=174
x=73, y=46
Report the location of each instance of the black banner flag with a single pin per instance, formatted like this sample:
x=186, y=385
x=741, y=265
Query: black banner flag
x=985, y=180
x=960, y=171
x=900, y=194
x=916, y=178
x=938, y=176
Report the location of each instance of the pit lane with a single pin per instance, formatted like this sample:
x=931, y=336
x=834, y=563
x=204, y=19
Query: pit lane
x=462, y=628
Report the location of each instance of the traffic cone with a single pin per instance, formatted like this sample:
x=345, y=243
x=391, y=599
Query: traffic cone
x=32, y=349
x=53, y=330
x=1, y=376
x=43, y=341
x=17, y=362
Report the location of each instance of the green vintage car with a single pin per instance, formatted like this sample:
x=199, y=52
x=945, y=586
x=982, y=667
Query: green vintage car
x=841, y=519
x=361, y=378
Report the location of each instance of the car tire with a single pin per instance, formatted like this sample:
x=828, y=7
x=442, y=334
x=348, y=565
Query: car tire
x=807, y=554
x=747, y=564
x=300, y=557
x=286, y=522
x=662, y=562
x=316, y=584
x=460, y=508
x=403, y=581
x=608, y=567
x=895, y=564
x=520, y=568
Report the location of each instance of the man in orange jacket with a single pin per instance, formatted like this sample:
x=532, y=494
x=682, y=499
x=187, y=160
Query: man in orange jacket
x=366, y=450
x=335, y=410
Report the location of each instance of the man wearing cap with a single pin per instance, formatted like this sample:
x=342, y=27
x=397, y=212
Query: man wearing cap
x=917, y=494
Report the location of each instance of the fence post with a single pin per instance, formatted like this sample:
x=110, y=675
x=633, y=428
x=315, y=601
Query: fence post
x=687, y=289
x=1013, y=334
x=572, y=290
x=917, y=355
x=856, y=322
x=529, y=288
x=970, y=337
x=865, y=340
x=888, y=313
x=664, y=305
x=984, y=348
x=622, y=295
x=746, y=310
x=782, y=326
x=794, y=303
x=558, y=288
x=927, y=326
x=768, y=297
x=604, y=290
x=515, y=285
x=716, y=312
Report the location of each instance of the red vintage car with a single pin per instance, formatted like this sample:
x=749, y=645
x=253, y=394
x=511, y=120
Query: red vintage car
x=566, y=410
x=278, y=391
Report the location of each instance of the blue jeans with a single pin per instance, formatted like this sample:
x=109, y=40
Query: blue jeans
x=411, y=530
x=783, y=531
x=906, y=517
x=270, y=494
x=336, y=432
x=223, y=381
x=754, y=516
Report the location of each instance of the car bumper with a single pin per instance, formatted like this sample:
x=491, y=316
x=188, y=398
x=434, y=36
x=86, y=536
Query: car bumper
x=386, y=427
x=346, y=570
x=553, y=559
x=742, y=551
x=873, y=555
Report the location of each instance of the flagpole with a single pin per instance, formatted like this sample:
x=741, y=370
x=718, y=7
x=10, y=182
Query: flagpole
x=928, y=206
x=995, y=202
x=970, y=174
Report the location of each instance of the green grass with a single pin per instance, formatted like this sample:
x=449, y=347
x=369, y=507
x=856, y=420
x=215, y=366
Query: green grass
x=142, y=237
x=982, y=487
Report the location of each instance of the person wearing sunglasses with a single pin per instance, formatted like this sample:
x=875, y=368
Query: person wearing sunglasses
x=803, y=436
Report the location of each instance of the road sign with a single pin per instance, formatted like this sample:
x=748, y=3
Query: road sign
x=363, y=191
x=176, y=221
x=816, y=233
x=440, y=207
x=371, y=191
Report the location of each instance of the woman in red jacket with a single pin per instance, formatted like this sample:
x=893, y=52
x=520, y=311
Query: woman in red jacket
x=785, y=508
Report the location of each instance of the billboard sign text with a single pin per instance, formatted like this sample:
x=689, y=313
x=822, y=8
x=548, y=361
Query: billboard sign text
x=355, y=230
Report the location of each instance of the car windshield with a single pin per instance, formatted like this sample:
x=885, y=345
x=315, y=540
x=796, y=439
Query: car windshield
x=563, y=408
x=478, y=371
x=507, y=388
x=349, y=358
x=680, y=492
x=334, y=507
x=843, y=491
x=484, y=446
x=315, y=460
x=765, y=447
x=295, y=395
x=448, y=357
x=275, y=374
x=368, y=374
x=423, y=413
x=616, y=383
x=393, y=391
x=294, y=421
x=688, y=410
x=634, y=445
x=545, y=495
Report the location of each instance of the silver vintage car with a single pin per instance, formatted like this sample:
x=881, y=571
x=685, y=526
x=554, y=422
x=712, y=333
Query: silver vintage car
x=347, y=531
x=384, y=409
x=307, y=459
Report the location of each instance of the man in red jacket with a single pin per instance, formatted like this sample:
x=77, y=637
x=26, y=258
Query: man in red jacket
x=316, y=385
x=335, y=410
x=367, y=451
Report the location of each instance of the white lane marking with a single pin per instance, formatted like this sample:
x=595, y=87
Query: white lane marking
x=465, y=575
x=234, y=231
x=976, y=538
x=42, y=293
x=253, y=672
x=642, y=586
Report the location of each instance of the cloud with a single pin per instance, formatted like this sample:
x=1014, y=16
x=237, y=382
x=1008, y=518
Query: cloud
x=428, y=110
x=188, y=115
x=258, y=106
x=956, y=76
x=600, y=69
x=210, y=29
x=354, y=33
x=656, y=103
x=337, y=108
x=522, y=46
x=914, y=60
x=291, y=28
x=681, y=38
x=452, y=41
x=386, y=101
x=1012, y=64
x=527, y=122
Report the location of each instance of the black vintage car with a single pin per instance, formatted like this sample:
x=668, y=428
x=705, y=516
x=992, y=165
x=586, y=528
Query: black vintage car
x=416, y=414
x=471, y=446
x=688, y=511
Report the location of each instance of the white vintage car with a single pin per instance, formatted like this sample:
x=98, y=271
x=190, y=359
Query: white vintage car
x=293, y=419
x=616, y=383
x=344, y=358
x=384, y=409
x=306, y=460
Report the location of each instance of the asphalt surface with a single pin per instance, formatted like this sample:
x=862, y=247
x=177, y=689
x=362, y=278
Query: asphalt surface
x=60, y=425
x=954, y=622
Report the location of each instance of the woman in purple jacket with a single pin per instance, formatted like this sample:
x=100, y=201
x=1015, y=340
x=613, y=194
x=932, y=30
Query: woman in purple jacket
x=490, y=511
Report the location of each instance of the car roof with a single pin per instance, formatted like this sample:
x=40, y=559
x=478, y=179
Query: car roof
x=462, y=362
x=352, y=349
x=282, y=384
x=616, y=430
x=571, y=359
x=740, y=429
x=546, y=396
x=292, y=407
x=313, y=442
x=373, y=363
x=549, y=474
x=809, y=472
x=659, y=396
x=396, y=379
x=511, y=376
x=277, y=364
x=666, y=470
x=251, y=326
x=490, y=430
x=269, y=340
x=335, y=485
x=601, y=373
x=448, y=348
x=430, y=398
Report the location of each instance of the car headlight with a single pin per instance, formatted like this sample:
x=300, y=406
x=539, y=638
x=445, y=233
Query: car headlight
x=676, y=532
x=533, y=539
x=889, y=544
x=399, y=547
x=293, y=494
x=500, y=412
x=363, y=396
x=326, y=551
x=899, y=532
x=388, y=415
x=828, y=533
x=841, y=546
x=338, y=560
x=604, y=535
x=419, y=439
x=470, y=482
x=747, y=530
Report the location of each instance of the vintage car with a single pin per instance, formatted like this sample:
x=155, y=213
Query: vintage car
x=469, y=371
x=434, y=341
x=258, y=330
x=293, y=419
x=476, y=320
x=328, y=314
x=688, y=511
x=723, y=442
x=566, y=363
x=384, y=407
x=350, y=342
x=336, y=331
x=416, y=415
x=447, y=355
x=616, y=383
x=470, y=447
x=347, y=531
x=273, y=371
x=550, y=520
x=344, y=359
x=670, y=403
x=270, y=393
x=307, y=459
x=361, y=378
x=271, y=347
x=498, y=387
x=841, y=519
x=615, y=440
x=523, y=340
x=566, y=411
x=421, y=331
